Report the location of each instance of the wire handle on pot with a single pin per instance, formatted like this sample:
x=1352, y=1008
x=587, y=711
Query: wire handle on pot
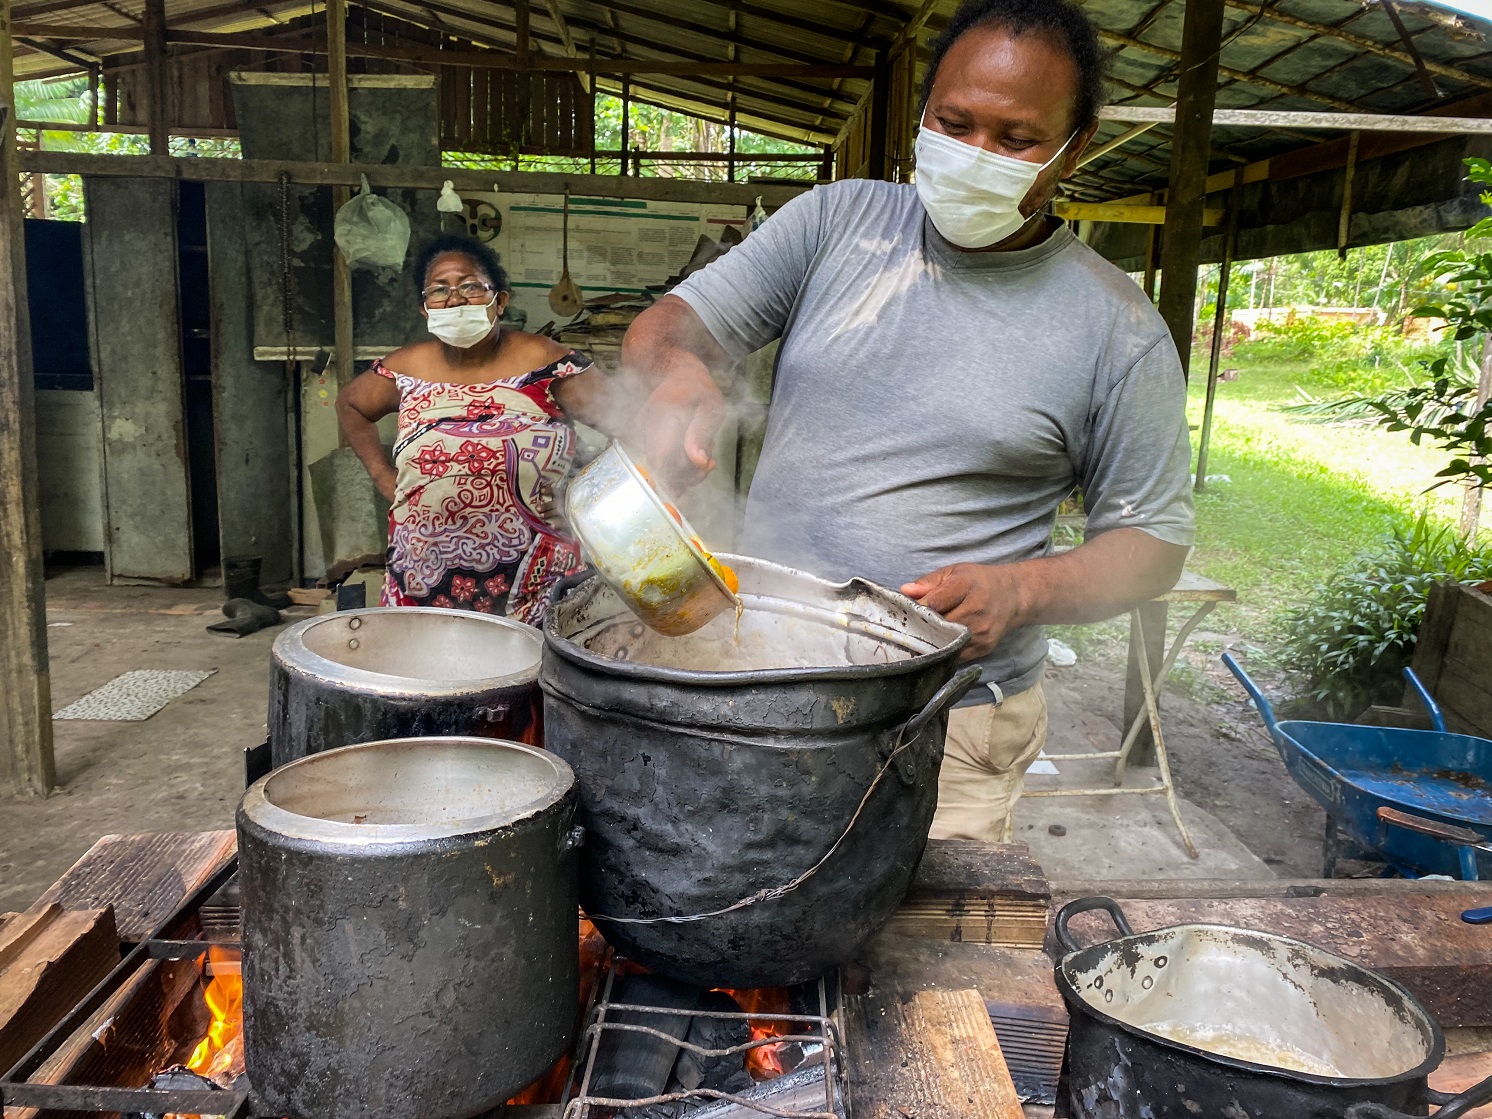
x=1454, y=1106
x=945, y=697
x=1088, y=905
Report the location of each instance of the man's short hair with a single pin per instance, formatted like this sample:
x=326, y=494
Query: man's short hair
x=1061, y=22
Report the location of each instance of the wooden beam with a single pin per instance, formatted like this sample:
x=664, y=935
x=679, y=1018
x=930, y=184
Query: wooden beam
x=1124, y=212
x=1281, y=118
x=157, y=114
x=307, y=173
x=1117, y=142
x=908, y=34
x=567, y=40
x=26, y=764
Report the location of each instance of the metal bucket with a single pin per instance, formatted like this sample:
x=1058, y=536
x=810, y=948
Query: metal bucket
x=409, y=940
x=755, y=804
x=1211, y=1020
x=395, y=672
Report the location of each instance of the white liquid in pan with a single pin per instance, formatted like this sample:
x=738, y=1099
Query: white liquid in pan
x=1242, y=1047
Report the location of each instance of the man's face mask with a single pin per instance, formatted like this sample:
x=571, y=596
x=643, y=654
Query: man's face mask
x=973, y=196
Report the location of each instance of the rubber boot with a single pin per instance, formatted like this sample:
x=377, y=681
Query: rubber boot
x=241, y=580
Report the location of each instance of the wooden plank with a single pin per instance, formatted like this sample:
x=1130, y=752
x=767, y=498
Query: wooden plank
x=1420, y=940
x=1434, y=633
x=1280, y=118
x=1465, y=699
x=1192, y=587
x=26, y=763
x=144, y=877
x=934, y=1057
x=49, y=960
x=1460, y=1072
x=310, y=173
x=984, y=893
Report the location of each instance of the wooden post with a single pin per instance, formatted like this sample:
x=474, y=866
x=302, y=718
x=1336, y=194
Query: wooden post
x=1180, y=254
x=1344, y=218
x=26, y=764
x=593, y=103
x=1152, y=256
x=525, y=79
x=1191, y=143
x=156, y=115
x=880, y=119
x=626, y=124
x=730, y=161
x=1221, y=320
x=342, y=329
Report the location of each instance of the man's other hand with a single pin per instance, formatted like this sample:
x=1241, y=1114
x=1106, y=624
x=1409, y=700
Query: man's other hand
x=680, y=423
x=973, y=595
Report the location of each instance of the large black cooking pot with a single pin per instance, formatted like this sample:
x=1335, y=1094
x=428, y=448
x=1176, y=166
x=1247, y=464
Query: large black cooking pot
x=719, y=768
x=409, y=942
x=1207, y=1020
x=401, y=672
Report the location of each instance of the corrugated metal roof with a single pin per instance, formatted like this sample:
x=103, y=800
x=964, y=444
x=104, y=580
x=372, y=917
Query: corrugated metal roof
x=1289, y=54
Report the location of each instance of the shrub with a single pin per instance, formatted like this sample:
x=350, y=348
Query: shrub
x=1348, y=646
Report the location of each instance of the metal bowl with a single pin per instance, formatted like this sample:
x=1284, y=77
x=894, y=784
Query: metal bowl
x=646, y=553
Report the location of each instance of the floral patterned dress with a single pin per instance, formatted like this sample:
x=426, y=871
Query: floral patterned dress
x=476, y=464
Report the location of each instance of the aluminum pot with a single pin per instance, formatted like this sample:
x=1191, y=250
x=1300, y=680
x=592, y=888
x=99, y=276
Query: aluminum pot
x=409, y=942
x=717, y=769
x=644, y=549
x=397, y=672
x=1211, y=1020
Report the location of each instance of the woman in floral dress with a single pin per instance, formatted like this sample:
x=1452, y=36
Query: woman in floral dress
x=484, y=439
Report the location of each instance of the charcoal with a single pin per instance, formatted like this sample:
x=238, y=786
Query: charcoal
x=694, y=1070
x=634, y=1066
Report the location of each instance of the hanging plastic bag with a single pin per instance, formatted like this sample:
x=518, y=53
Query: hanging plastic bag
x=449, y=201
x=371, y=231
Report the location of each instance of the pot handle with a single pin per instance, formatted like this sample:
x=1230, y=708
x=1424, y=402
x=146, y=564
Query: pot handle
x=568, y=583
x=1454, y=1106
x=1087, y=905
x=945, y=697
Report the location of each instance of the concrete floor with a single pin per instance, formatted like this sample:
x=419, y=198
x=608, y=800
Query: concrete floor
x=181, y=770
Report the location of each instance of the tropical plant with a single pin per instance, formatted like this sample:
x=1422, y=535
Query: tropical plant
x=55, y=100
x=1437, y=409
x=1347, y=647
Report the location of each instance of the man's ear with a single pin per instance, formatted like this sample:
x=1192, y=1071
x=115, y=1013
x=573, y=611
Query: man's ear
x=1079, y=146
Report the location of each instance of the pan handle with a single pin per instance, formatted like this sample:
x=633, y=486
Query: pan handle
x=1467, y=841
x=1266, y=712
x=568, y=583
x=1454, y=1106
x=1437, y=720
x=1087, y=905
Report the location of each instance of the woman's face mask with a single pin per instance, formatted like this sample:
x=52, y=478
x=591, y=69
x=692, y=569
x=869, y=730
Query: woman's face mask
x=463, y=326
x=973, y=196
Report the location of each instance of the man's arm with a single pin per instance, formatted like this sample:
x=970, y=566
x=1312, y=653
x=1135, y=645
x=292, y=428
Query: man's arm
x=669, y=352
x=1105, y=576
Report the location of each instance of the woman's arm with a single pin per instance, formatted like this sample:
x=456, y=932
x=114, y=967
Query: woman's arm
x=360, y=405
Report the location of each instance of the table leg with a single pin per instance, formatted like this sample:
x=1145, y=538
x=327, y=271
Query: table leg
x=1147, y=638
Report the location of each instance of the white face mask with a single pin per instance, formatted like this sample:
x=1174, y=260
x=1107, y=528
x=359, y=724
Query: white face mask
x=462, y=327
x=973, y=196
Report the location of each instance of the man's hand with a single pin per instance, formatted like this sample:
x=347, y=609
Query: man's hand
x=1109, y=574
x=680, y=423
x=974, y=595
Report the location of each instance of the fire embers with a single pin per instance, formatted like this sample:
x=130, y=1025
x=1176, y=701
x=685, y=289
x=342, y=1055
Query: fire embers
x=217, y=1060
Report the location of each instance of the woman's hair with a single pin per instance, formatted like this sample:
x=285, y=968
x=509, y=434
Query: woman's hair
x=1061, y=22
x=467, y=246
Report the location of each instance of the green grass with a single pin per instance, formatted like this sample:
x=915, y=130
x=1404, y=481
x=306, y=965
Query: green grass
x=1303, y=498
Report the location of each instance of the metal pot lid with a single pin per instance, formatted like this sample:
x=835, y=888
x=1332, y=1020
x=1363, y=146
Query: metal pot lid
x=412, y=651
x=1257, y=1002
x=407, y=791
x=794, y=627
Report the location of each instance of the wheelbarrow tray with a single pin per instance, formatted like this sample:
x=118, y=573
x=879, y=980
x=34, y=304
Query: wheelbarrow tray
x=1352, y=771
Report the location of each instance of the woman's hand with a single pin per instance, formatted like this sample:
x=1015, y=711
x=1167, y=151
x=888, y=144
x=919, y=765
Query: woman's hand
x=364, y=401
x=385, y=480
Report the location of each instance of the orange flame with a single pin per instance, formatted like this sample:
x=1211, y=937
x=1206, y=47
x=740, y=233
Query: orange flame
x=219, y=1055
x=765, y=1061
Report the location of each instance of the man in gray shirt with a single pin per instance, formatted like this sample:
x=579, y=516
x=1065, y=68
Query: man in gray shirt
x=953, y=363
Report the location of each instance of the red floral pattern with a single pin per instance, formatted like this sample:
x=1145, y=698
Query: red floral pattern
x=475, y=466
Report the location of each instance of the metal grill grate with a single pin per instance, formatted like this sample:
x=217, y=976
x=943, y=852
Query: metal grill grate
x=824, y=1030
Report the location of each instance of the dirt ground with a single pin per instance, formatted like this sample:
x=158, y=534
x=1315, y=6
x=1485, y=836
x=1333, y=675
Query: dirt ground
x=182, y=768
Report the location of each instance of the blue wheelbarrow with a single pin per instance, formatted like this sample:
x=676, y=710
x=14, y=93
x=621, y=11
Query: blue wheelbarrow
x=1419, y=800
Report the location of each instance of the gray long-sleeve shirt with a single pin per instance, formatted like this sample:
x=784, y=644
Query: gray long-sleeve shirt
x=931, y=406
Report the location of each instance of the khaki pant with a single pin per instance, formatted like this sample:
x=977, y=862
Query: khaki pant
x=985, y=759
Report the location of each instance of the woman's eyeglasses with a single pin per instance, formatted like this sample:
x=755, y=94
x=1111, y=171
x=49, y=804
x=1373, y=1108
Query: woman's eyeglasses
x=472, y=291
